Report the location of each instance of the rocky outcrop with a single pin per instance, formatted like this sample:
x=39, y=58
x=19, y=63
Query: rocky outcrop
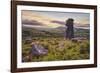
x=70, y=28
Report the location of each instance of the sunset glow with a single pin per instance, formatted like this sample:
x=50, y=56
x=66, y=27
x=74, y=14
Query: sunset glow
x=46, y=18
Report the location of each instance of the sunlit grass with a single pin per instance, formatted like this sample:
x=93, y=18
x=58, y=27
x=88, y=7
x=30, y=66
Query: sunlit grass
x=59, y=49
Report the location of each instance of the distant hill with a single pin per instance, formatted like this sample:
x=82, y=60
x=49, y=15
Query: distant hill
x=52, y=32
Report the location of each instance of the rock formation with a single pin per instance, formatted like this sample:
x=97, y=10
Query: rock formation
x=70, y=28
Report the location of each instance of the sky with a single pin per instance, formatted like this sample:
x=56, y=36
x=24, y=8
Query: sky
x=78, y=17
x=46, y=18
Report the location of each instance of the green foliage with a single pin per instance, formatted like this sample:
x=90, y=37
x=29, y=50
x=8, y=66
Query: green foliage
x=59, y=49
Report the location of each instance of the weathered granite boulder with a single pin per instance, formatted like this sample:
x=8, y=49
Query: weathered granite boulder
x=38, y=50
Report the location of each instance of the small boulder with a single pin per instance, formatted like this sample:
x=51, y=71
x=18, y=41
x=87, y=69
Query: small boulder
x=38, y=50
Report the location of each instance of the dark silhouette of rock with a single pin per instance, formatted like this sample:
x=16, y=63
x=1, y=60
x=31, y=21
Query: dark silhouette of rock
x=70, y=28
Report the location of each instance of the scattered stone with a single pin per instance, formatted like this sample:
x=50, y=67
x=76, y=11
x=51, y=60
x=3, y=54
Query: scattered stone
x=38, y=50
x=78, y=39
x=28, y=40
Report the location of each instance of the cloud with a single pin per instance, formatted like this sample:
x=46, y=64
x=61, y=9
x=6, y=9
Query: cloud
x=36, y=19
x=59, y=22
x=31, y=22
x=32, y=18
